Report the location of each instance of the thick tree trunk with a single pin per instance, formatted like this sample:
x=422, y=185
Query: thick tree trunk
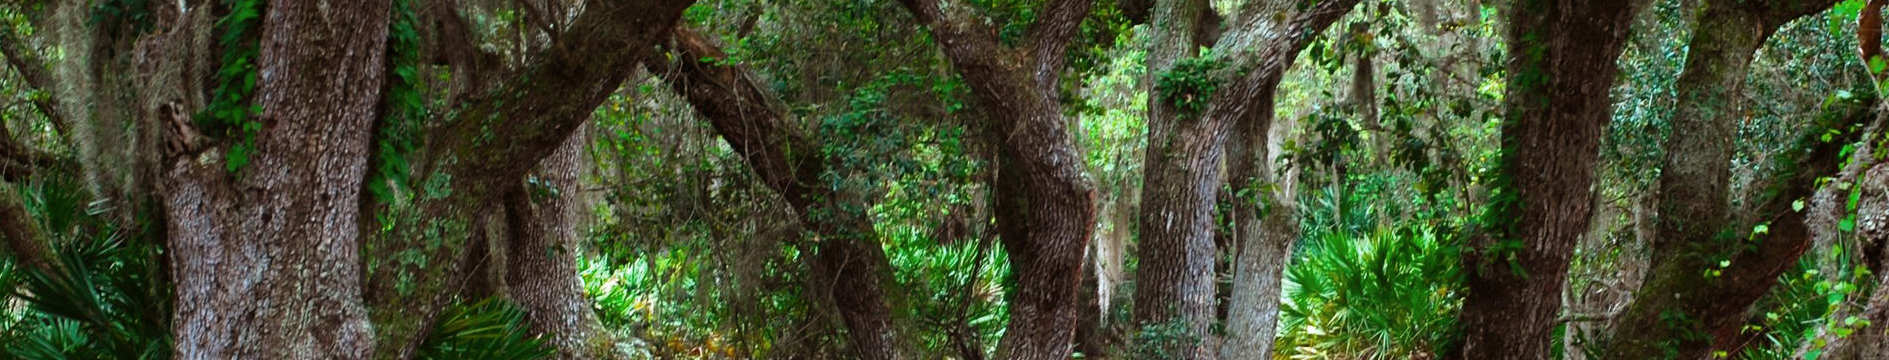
x=1557, y=103
x=267, y=263
x=1695, y=202
x=1174, y=284
x=541, y=255
x=848, y=255
x=1045, y=207
x=1267, y=227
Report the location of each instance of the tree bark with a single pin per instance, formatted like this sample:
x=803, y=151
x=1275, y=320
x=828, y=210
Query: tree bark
x=1266, y=227
x=1561, y=67
x=1867, y=341
x=848, y=255
x=1695, y=202
x=267, y=263
x=1183, y=173
x=541, y=254
x=21, y=233
x=1045, y=207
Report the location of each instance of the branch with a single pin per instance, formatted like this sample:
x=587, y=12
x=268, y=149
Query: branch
x=501, y=134
x=1049, y=37
x=33, y=70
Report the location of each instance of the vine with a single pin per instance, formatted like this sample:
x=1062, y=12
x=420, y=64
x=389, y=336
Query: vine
x=230, y=112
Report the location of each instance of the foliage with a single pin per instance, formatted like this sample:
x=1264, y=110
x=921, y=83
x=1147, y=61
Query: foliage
x=1389, y=294
x=490, y=329
x=400, y=130
x=230, y=113
x=109, y=299
x=1190, y=85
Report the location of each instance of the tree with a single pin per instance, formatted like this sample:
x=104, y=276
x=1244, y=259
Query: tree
x=262, y=192
x=1198, y=101
x=1046, y=209
x=848, y=255
x=1560, y=68
x=1696, y=211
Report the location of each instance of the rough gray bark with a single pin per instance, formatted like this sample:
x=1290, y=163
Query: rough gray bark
x=1871, y=341
x=1174, y=284
x=1267, y=227
x=1562, y=66
x=541, y=255
x=267, y=264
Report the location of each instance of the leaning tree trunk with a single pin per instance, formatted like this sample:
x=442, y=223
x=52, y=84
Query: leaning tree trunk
x=1186, y=144
x=849, y=265
x=493, y=141
x=267, y=260
x=543, y=214
x=1266, y=226
x=1561, y=68
x=1695, y=202
x=1045, y=206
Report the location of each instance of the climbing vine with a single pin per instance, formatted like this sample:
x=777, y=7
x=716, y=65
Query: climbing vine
x=230, y=112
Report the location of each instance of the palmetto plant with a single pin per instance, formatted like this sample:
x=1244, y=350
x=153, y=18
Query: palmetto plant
x=1391, y=294
x=108, y=299
x=490, y=329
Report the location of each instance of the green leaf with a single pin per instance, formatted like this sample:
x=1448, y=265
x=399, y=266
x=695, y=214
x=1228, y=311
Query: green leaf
x=1797, y=206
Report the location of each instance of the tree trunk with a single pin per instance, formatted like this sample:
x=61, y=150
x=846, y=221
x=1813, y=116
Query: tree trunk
x=849, y=264
x=1867, y=341
x=1267, y=227
x=541, y=254
x=1045, y=206
x=21, y=233
x=267, y=263
x=1560, y=72
x=1695, y=202
x=1174, y=285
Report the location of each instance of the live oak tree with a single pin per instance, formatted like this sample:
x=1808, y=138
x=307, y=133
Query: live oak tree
x=265, y=219
x=1045, y=208
x=1198, y=102
x=850, y=265
x=1560, y=68
x=1697, y=220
